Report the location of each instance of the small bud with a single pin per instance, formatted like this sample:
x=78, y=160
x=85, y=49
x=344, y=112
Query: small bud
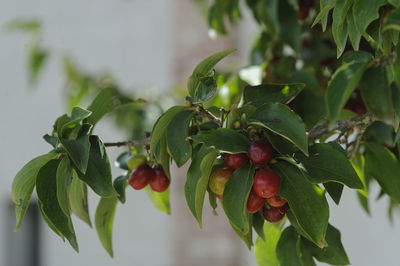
x=273, y=161
x=236, y=124
x=251, y=130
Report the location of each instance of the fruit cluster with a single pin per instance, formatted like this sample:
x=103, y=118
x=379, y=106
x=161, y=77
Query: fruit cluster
x=143, y=175
x=266, y=181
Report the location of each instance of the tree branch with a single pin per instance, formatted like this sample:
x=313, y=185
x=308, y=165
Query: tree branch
x=134, y=143
x=341, y=125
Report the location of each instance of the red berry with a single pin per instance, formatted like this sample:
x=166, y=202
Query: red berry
x=160, y=182
x=141, y=176
x=355, y=105
x=235, y=161
x=276, y=201
x=254, y=202
x=266, y=183
x=219, y=196
x=261, y=152
x=274, y=214
x=304, y=8
x=360, y=110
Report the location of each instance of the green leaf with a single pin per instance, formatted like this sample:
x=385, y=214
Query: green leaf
x=323, y=14
x=122, y=160
x=98, y=173
x=119, y=186
x=396, y=65
x=212, y=199
x=46, y=189
x=107, y=100
x=396, y=100
x=382, y=164
x=339, y=31
x=293, y=222
x=77, y=116
x=78, y=151
x=220, y=12
x=247, y=238
x=59, y=123
x=281, y=120
x=258, y=223
x=49, y=222
x=363, y=200
x=354, y=33
x=289, y=27
x=333, y=253
x=224, y=140
x=177, y=133
x=380, y=132
x=310, y=103
x=103, y=221
x=207, y=90
x=358, y=163
x=267, y=13
x=78, y=200
x=306, y=201
x=324, y=19
x=304, y=255
x=341, y=86
x=37, y=59
x=64, y=178
x=280, y=144
x=392, y=20
x=364, y=12
x=334, y=190
x=357, y=57
x=374, y=34
x=161, y=126
x=326, y=164
x=216, y=17
x=53, y=141
x=24, y=25
x=396, y=3
x=164, y=156
x=286, y=249
x=377, y=94
x=23, y=184
x=159, y=199
x=235, y=196
x=197, y=180
x=283, y=93
x=265, y=251
x=203, y=69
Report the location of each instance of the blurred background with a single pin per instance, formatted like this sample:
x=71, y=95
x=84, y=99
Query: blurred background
x=147, y=49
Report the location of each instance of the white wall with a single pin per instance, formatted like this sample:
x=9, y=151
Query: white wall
x=127, y=38
x=131, y=39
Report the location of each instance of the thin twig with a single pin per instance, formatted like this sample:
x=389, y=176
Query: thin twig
x=353, y=146
x=222, y=116
x=129, y=143
x=208, y=114
x=341, y=125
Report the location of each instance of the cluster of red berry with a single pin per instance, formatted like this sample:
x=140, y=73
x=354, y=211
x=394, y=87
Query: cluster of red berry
x=266, y=181
x=144, y=175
